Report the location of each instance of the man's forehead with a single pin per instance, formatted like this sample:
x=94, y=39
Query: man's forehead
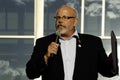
x=65, y=10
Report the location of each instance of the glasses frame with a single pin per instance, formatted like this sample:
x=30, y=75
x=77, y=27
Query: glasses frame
x=63, y=17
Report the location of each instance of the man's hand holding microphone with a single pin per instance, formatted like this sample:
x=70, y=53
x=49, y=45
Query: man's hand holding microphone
x=52, y=48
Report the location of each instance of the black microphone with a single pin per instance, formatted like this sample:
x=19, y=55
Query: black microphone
x=58, y=34
x=56, y=40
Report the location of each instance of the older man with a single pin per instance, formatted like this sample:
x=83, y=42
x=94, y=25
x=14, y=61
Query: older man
x=67, y=54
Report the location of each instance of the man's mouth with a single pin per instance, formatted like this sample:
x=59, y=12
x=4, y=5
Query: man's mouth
x=60, y=26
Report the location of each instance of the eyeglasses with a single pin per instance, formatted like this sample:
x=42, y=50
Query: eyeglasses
x=63, y=17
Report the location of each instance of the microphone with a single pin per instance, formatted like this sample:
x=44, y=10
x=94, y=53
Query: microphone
x=58, y=34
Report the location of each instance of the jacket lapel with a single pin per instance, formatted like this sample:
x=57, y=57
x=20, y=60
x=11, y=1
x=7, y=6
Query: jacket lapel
x=78, y=48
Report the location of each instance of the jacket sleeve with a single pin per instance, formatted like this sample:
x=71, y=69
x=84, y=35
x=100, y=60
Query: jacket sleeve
x=36, y=65
x=105, y=63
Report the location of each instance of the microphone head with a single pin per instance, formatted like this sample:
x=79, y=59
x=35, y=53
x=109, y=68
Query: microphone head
x=58, y=32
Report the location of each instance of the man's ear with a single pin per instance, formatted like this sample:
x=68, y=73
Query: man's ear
x=76, y=21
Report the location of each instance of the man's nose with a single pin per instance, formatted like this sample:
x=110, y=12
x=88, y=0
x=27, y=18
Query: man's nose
x=60, y=20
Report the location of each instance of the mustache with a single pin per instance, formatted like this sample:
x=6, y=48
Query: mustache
x=60, y=25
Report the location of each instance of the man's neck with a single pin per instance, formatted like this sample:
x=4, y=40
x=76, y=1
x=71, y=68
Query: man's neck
x=67, y=36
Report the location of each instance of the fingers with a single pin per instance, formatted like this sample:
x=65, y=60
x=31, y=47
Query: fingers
x=52, y=49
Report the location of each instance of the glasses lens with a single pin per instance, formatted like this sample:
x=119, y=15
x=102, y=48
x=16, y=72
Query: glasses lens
x=63, y=17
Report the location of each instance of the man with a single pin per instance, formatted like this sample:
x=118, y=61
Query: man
x=67, y=54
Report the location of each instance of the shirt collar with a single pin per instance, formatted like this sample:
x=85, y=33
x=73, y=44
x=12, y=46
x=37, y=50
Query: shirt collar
x=75, y=33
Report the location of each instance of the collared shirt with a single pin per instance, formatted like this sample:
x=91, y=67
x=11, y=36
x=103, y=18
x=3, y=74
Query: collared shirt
x=68, y=48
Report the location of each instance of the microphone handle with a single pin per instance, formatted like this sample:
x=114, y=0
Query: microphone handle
x=56, y=38
x=52, y=54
